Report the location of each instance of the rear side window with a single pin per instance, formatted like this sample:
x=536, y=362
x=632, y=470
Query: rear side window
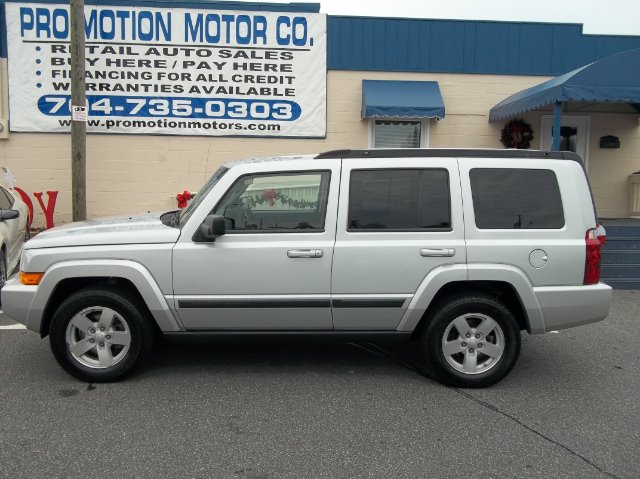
x=399, y=200
x=509, y=198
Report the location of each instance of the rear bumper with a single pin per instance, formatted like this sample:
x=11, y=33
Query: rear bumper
x=16, y=303
x=569, y=306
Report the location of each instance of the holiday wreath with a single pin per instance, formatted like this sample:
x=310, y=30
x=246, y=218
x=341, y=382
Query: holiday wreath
x=517, y=134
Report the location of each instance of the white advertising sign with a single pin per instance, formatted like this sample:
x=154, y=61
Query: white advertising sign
x=170, y=71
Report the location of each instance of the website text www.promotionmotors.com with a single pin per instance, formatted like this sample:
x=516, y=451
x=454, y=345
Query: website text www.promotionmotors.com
x=190, y=125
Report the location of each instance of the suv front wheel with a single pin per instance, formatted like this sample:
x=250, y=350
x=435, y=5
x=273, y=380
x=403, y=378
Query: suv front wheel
x=99, y=334
x=471, y=341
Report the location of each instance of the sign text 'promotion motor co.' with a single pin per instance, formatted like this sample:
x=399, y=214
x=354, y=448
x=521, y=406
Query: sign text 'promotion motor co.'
x=155, y=26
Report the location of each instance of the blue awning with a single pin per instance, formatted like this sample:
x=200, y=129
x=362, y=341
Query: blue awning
x=401, y=99
x=615, y=78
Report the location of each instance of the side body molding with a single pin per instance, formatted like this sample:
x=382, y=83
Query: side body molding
x=130, y=270
x=439, y=277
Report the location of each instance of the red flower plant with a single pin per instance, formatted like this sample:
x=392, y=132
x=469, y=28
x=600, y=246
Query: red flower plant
x=183, y=198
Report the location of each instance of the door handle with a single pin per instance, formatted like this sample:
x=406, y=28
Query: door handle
x=437, y=252
x=305, y=253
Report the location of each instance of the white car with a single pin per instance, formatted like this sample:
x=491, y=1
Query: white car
x=14, y=218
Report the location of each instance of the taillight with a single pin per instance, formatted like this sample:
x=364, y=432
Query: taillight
x=601, y=233
x=595, y=239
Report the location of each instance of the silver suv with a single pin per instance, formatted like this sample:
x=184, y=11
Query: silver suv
x=459, y=250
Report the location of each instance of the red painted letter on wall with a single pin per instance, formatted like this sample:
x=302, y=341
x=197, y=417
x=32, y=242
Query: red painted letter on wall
x=51, y=205
x=27, y=201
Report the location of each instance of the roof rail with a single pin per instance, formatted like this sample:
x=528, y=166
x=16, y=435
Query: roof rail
x=457, y=152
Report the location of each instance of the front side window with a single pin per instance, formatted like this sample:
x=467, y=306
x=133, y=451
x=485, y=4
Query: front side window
x=277, y=202
x=510, y=198
x=399, y=200
x=398, y=134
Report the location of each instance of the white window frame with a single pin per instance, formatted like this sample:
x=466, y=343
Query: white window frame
x=425, y=125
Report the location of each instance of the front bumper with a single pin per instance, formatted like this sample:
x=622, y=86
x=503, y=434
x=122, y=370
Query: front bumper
x=568, y=306
x=16, y=303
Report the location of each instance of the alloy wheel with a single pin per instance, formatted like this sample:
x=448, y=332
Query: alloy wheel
x=98, y=337
x=473, y=343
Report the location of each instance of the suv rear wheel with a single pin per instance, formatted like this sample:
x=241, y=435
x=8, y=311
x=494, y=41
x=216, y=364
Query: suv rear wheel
x=100, y=334
x=471, y=341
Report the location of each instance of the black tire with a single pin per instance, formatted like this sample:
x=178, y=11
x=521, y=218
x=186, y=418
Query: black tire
x=502, y=341
x=130, y=317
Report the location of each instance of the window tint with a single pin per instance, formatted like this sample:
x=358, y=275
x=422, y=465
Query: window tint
x=6, y=200
x=399, y=200
x=276, y=202
x=507, y=198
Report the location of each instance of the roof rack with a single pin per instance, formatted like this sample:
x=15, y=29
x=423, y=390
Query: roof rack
x=457, y=152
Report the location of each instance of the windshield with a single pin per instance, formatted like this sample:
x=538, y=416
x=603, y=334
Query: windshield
x=186, y=213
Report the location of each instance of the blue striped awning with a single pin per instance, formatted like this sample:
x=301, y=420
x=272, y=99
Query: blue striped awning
x=401, y=99
x=615, y=78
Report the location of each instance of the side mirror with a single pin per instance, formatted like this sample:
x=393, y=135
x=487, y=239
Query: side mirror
x=212, y=227
x=8, y=214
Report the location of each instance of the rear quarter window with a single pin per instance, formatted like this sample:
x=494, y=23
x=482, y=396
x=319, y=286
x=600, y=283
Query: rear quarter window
x=514, y=198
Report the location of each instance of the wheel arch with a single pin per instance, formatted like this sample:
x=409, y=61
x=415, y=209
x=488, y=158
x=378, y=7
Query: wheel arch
x=500, y=290
x=507, y=283
x=68, y=286
x=65, y=278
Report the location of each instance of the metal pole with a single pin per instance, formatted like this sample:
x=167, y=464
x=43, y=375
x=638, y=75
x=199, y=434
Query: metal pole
x=78, y=127
x=557, y=120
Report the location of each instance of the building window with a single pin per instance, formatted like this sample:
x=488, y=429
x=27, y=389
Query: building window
x=392, y=133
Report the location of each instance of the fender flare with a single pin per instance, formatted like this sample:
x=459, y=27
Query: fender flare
x=440, y=277
x=132, y=271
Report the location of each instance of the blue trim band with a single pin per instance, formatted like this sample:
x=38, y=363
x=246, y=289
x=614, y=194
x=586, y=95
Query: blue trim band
x=464, y=46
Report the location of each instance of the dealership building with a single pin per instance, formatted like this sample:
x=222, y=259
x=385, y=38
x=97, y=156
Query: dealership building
x=176, y=89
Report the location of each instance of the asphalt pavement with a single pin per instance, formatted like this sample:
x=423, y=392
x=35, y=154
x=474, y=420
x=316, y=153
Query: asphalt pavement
x=569, y=409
